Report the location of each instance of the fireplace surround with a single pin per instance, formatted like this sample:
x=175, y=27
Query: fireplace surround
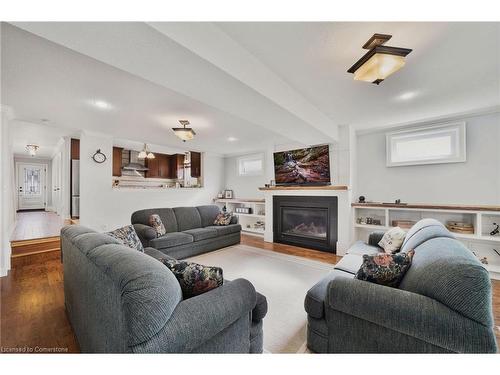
x=307, y=221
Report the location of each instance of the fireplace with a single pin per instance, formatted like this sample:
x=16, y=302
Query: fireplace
x=306, y=221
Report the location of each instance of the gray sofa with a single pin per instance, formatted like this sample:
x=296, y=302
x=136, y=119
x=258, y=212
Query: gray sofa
x=190, y=230
x=122, y=300
x=443, y=304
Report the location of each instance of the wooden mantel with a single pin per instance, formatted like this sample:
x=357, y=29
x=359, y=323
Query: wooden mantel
x=327, y=187
x=458, y=207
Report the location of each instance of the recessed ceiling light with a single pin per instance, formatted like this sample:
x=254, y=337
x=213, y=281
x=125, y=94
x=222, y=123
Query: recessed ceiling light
x=406, y=96
x=232, y=139
x=101, y=104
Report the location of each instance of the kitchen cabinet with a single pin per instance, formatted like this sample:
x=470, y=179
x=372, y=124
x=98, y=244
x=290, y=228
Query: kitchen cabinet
x=165, y=166
x=153, y=166
x=162, y=166
x=195, y=164
x=117, y=161
x=75, y=149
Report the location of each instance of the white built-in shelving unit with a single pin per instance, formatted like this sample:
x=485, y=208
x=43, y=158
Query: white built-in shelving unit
x=248, y=221
x=482, y=218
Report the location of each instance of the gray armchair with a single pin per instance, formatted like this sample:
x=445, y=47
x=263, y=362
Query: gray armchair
x=122, y=300
x=443, y=304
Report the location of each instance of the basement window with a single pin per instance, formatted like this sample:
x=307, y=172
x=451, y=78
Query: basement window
x=250, y=165
x=426, y=145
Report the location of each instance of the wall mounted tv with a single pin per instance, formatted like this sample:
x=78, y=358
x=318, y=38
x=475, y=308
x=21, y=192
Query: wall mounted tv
x=307, y=166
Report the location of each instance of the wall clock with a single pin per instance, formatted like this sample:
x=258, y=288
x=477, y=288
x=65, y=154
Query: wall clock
x=99, y=157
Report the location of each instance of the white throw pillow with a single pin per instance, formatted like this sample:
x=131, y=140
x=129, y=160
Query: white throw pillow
x=392, y=240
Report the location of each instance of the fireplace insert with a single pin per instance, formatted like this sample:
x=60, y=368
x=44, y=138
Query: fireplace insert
x=306, y=221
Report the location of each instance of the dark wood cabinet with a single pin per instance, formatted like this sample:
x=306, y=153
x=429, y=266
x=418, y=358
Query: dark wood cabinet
x=195, y=164
x=162, y=166
x=117, y=161
x=75, y=149
x=165, y=166
x=153, y=166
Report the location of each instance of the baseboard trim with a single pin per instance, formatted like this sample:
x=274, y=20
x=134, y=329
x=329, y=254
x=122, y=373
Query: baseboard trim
x=35, y=252
x=33, y=241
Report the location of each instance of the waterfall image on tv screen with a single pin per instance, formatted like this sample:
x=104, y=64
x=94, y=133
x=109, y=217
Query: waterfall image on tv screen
x=307, y=166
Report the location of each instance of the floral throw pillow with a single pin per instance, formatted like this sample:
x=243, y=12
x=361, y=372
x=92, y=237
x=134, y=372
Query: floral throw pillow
x=157, y=224
x=127, y=236
x=385, y=269
x=194, y=278
x=392, y=240
x=223, y=218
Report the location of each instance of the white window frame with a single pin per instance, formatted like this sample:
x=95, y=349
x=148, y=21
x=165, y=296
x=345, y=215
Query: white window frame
x=252, y=157
x=457, y=128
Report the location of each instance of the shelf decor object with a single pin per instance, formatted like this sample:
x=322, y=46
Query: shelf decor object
x=380, y=61
x=184, y=133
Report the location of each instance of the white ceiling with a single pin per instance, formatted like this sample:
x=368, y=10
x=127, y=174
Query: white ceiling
x=454, y=67
x=44, y=80
x=262, y=83
x=44, y=136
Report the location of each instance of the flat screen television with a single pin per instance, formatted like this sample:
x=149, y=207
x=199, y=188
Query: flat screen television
x=307, y=166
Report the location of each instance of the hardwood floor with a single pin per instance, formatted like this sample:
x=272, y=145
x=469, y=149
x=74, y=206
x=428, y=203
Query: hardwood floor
x=36, y=232
x=32, y=309
x=290, y=250
x=32, y=306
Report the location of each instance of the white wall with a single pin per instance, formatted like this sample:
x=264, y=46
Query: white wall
x=48, y=176
x=245, y=186
x=341, y=160
x=477, y=181
x=7, y=210
x=104, y=208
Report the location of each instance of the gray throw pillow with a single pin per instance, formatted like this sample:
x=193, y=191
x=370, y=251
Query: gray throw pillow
x=392, y=240
x=127, y=236
x=223, y=218
x=157, y=224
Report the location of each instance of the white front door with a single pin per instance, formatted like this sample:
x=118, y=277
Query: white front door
x=31, y=186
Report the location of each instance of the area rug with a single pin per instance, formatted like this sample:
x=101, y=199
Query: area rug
x=283, y=279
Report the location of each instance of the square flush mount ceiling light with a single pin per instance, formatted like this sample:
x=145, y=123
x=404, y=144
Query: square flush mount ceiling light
x=380, y=61
x=184, y=133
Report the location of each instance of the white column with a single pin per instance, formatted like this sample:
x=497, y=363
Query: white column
x=7, y=196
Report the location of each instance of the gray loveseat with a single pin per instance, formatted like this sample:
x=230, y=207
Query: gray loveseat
x=443, y=304
x=122, y=300
x=190, y=230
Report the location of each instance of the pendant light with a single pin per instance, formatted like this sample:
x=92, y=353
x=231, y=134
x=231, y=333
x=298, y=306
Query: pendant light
x=184, y=133
x=145, y=153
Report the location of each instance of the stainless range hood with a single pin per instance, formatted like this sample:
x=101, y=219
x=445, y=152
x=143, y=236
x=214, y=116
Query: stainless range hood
x=134, y=166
